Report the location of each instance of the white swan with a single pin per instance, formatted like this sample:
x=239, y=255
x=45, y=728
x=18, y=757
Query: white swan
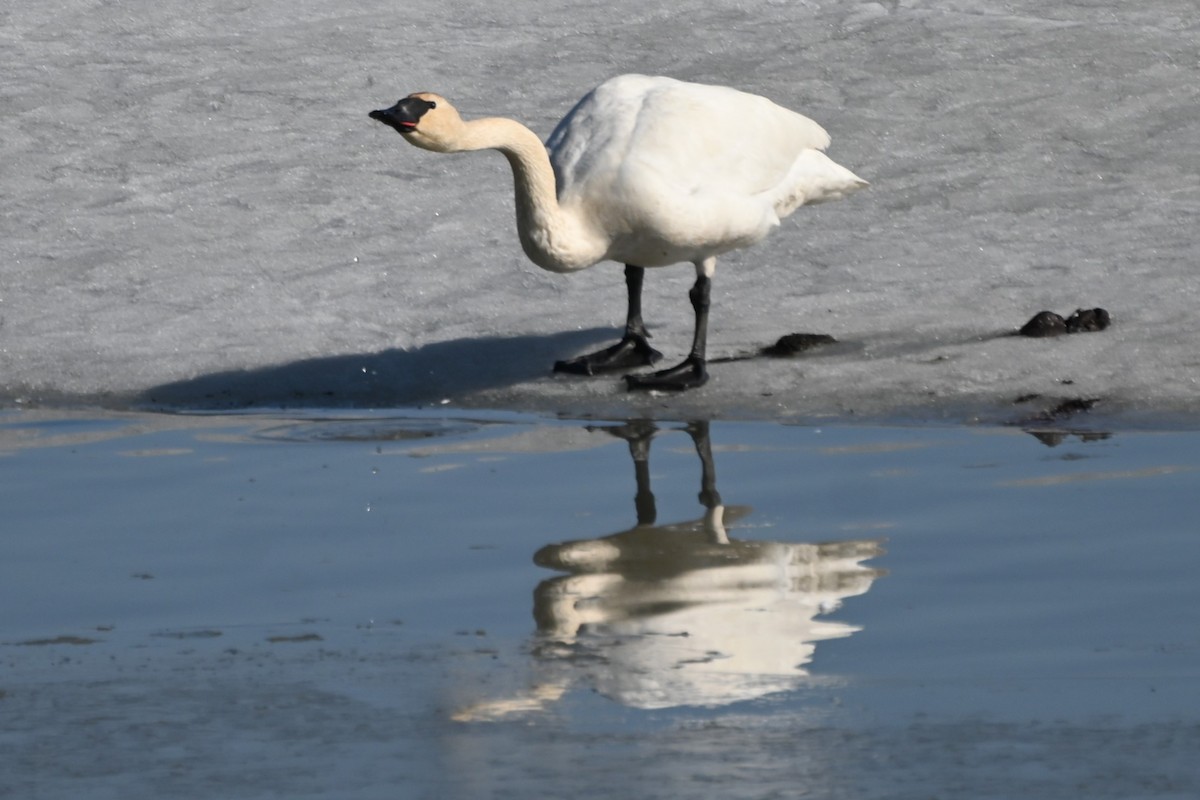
x=648, y=171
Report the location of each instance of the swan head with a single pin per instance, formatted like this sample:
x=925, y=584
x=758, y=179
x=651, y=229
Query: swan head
x=426, y=120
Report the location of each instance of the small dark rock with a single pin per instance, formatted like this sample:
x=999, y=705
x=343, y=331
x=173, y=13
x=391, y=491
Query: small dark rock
x=1044, y=323
x=1084, y=320
x=793, y=344
x=1088, y=320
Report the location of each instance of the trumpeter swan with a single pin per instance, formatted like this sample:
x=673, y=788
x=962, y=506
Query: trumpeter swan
x=647, y=171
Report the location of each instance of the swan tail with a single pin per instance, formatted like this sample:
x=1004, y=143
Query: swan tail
x=816, y=178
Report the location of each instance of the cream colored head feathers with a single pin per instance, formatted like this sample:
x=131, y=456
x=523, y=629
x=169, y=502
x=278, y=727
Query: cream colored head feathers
x=439, y=129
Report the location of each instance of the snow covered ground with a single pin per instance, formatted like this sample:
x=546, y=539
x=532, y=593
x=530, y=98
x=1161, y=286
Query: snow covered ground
x=197, y=211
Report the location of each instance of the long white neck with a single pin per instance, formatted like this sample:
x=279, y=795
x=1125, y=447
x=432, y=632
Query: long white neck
x=552, y=238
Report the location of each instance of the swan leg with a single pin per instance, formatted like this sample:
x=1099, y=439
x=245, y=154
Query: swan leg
x=632, y=351
x=691, y=372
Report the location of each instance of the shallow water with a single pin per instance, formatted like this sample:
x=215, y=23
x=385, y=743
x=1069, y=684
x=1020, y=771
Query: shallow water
x=419, y=604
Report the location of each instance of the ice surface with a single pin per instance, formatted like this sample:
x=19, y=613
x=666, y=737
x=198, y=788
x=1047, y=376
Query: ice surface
x=197, y=211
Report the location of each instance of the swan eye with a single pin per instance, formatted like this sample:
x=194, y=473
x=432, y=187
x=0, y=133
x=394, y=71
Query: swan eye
x=432, y=105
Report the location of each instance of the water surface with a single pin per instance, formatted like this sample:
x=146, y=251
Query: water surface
x=419, y=605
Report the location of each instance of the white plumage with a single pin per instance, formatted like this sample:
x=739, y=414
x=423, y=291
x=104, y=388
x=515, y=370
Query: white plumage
x=647, y=171
x=680, y=171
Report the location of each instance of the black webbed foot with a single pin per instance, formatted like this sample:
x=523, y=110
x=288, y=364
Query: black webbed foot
x=632, y=351
x=689, y=374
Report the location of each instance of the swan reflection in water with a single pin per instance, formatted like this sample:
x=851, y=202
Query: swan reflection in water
x=681, y=614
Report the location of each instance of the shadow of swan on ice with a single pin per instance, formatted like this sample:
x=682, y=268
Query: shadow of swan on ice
x=664, y=615
x=420, y=376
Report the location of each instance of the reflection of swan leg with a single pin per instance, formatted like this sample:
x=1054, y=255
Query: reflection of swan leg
x=632, y=351
x=709, y=496
x=643, y=501
x=638, y=433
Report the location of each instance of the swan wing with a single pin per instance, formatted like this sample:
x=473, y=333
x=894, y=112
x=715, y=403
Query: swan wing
x=707, y=165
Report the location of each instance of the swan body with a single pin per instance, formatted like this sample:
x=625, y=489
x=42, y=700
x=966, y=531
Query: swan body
x=647, y=171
